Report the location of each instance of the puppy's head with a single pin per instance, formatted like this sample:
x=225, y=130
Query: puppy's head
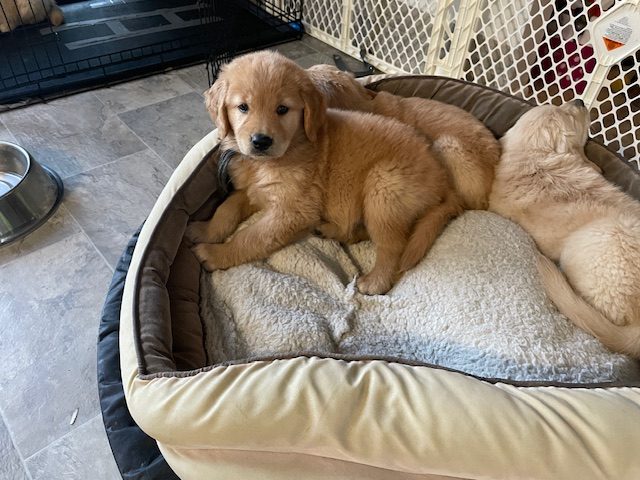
x=264, y=102
x=340, y=89
x=548, y=128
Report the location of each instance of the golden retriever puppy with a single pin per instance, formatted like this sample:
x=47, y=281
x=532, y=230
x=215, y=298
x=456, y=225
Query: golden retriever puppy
x=349, y=175
x=463, y=144
x=545, y=183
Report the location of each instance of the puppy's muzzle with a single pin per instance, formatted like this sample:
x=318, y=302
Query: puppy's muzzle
x=261, y=142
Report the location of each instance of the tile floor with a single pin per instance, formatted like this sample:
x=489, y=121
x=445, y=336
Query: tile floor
x=114, y=148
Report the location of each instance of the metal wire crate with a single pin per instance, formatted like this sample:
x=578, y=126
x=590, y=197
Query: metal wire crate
x=104, y=41
x=283, y=18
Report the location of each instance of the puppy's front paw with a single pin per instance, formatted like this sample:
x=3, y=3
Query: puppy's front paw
x=374, y=284
x=213, y=256
x=204, y=232
x=197, y=232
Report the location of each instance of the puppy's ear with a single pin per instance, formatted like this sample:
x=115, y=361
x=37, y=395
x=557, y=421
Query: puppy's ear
x=315, y=110
x=214, y=101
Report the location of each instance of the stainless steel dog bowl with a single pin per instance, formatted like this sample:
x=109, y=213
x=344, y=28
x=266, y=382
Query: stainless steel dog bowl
x=29, y=193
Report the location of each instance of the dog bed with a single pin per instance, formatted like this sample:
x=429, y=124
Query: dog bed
x=280, y=370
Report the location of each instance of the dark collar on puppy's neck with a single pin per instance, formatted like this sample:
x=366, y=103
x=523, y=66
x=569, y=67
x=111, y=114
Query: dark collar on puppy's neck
x=224, y=179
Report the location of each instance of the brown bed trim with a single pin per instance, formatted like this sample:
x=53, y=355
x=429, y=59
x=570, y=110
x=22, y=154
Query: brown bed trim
x=386, y=359
x=142, y=366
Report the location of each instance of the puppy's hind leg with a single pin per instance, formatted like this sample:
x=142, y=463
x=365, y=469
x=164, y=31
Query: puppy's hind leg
x=427, y=229
x=388, y=228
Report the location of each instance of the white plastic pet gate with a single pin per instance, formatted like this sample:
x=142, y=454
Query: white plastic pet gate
x=546, y=51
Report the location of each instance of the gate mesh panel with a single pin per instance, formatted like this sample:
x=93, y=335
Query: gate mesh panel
x=325, y=16
x=543, y=52
x=616, y=114
x=395, y=32
x=539, y=50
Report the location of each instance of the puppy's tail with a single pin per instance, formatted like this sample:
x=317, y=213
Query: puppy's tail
x=427, y=230
x=622, y=339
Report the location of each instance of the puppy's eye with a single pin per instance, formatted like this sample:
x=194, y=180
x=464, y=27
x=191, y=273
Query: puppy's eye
x=281, y=110
x=243, y=107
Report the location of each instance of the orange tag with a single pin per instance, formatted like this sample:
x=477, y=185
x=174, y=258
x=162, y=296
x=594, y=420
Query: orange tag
x=611, y=44
x=617, y=34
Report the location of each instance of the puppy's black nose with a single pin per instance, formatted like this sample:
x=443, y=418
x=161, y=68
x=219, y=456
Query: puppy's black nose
x=578, y=102
x=261, y=142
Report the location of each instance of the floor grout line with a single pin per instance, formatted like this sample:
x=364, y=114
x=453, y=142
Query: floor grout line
x=100, y=100
x=81, y=231
x=77, y=222
x=3, y=123
x=91, y=169
x=146, y=104
x=26, y=254
x=111, y=114
x=171, y=168
x=95, y=247
x=23, y=461
x=70, y=432
x=151, y=149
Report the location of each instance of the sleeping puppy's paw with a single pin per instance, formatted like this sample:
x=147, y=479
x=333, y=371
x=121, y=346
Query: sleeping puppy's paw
x=213, y=256
x=374, y=284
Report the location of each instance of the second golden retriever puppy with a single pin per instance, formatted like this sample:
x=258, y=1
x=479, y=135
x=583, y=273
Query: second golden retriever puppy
x=463, y=143
x=349, y=175
x=545, y=183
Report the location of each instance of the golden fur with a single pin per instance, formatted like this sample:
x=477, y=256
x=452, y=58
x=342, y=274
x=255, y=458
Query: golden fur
x=14, y=13
x=463, y=144
x=545, y=183
x=348, y=175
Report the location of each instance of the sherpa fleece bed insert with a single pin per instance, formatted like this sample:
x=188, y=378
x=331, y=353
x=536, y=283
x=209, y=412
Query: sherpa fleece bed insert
x=280, y=369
